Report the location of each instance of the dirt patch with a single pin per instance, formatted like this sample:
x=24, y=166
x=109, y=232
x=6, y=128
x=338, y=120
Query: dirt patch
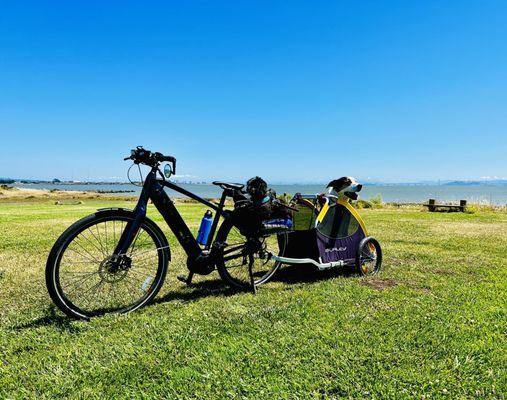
x=378, y=284
x=29, y=193
x=441, y=271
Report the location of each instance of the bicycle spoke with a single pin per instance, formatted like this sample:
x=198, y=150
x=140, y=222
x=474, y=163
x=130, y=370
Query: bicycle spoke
x=79, y=272
x=99, y=249
x=96, y=287
x=79, y=286
x=234, y=257
x=96, y=282
x=86, y=251
x=78, y=283
x=107, y=242
x=154, y=249
x=90, y=241
x=104, y=250
x=83, y=262
x=230, y=250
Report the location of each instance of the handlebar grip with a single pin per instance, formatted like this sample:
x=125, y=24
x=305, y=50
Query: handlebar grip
x=170, y=159
x=143, y=156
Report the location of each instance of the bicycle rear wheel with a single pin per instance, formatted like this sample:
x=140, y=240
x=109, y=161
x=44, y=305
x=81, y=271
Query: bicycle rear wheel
x=234, y=266
x=85, y=280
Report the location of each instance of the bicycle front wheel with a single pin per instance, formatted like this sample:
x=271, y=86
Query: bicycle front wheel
x=85, y=279
x=234, y=269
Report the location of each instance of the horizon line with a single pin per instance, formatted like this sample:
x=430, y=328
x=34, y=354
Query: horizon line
x=205, y=181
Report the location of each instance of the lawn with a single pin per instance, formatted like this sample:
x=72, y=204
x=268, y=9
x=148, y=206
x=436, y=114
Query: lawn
x=431, y=325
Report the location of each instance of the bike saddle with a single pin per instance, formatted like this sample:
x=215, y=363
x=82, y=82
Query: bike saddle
x=226, y=185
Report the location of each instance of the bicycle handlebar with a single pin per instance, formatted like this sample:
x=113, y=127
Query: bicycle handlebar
x=142, y=156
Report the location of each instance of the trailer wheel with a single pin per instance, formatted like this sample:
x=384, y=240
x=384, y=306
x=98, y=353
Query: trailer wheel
x=368, y=257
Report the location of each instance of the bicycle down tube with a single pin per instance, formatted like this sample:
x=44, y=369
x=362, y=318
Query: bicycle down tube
x=153, y=189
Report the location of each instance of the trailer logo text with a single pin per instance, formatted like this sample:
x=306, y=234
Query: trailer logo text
x=335, y=249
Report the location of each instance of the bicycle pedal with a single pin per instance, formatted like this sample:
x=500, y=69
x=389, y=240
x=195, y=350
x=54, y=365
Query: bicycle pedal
x=187, y=280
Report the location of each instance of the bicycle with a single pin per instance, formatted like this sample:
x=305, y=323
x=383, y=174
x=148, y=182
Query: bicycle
x=116, y=260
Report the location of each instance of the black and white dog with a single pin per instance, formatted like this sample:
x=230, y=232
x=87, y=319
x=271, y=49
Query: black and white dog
x=345, y=186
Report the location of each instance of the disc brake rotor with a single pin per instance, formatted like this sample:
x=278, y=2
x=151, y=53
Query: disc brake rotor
x=113, y=271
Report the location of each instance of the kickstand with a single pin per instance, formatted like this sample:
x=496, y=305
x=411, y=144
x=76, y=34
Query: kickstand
x=252, y=279
x=186, y=280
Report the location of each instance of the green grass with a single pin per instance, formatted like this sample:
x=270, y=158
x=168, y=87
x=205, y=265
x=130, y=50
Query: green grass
x=431, y=325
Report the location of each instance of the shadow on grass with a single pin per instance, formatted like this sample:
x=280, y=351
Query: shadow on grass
x=288, y=275
x=307, y=274
x=66, y=324
x=52, y=318
x=198, y=290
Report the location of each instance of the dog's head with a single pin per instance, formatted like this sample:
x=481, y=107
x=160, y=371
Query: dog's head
x=257, y=188
x=345, y=186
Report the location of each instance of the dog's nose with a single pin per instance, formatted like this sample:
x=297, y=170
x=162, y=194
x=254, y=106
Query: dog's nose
x=359, y=187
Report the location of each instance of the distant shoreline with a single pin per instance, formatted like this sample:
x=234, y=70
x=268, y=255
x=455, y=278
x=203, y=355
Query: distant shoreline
x=491, y=182
x=400, y=194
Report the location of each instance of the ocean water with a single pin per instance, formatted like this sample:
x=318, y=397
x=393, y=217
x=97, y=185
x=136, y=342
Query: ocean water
x=483, y=194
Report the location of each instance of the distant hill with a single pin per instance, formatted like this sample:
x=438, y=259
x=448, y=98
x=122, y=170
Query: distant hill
x=491, y=182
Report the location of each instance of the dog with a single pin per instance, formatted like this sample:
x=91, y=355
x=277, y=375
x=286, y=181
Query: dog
x=345, y=186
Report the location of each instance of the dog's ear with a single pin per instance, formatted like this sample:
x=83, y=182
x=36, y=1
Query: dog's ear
x=339, y=184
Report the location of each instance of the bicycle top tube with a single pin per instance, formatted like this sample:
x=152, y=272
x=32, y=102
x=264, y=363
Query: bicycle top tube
x=187, y=193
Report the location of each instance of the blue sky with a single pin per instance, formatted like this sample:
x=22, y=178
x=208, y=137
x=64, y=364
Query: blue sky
x=292, y=91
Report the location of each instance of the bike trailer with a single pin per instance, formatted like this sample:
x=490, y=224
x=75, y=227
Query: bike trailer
x=327, y=232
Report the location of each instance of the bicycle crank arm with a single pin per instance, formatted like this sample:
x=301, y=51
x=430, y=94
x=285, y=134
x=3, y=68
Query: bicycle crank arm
x=186, y=279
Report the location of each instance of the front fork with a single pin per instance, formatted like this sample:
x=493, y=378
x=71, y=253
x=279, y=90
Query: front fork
x=132, y=228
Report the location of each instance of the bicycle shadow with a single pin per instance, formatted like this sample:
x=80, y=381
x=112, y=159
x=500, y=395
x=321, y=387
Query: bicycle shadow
x=198, y=290
x=195, y=291
x=52, y=318
x=286, y=275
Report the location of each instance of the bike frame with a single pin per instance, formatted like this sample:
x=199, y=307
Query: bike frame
x=153, y=189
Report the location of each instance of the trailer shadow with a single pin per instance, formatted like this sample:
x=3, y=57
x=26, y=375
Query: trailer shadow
x=308, y=274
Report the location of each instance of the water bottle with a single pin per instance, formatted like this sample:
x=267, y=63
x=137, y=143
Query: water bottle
x=204, y=229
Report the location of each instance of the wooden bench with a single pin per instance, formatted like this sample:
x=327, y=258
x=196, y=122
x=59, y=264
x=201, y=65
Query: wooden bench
x=433, y=206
